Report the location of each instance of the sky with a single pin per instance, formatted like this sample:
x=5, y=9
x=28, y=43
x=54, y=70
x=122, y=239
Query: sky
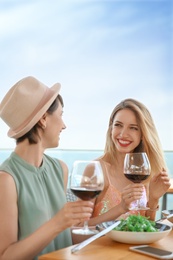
x=100, y=51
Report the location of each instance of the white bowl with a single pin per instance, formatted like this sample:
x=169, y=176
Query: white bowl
x=140, y=237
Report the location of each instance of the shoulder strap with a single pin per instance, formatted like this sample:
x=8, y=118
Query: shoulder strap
x=106, y=170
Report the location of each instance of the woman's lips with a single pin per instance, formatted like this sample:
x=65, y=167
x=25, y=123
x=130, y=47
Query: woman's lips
x=124, y=143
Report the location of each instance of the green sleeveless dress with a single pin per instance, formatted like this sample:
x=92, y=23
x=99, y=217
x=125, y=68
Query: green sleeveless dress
x=40, y=196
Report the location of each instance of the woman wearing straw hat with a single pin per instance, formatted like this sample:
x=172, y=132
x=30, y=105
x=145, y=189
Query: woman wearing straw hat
x=34, y=216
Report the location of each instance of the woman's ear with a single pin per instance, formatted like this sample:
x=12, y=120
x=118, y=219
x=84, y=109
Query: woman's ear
x=42, y=121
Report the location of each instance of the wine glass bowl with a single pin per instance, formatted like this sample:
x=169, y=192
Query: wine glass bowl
x=137, y=169
x=86, y=182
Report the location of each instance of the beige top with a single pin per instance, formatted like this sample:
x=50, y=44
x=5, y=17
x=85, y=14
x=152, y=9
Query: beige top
x=111, y=197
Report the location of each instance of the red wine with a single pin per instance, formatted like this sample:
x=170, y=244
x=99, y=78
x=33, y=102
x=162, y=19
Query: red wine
x=85, y=193
x=136, y=178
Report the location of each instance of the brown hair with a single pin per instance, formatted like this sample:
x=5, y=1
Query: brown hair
x=32, y=135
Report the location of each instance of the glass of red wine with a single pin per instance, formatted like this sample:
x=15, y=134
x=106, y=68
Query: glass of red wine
x=86, y=182
x=137, y=169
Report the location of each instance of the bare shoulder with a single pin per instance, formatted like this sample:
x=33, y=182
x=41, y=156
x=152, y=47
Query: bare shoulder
x=8, y=212
x=6, y=178
x=65, y=170
x=64, y=166
x=7, y=182
x=65, y=173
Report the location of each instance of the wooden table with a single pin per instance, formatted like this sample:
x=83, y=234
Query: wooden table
x=105, y=248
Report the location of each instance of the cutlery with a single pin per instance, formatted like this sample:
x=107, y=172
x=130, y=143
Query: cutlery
x=167, y=213
x=91, y=239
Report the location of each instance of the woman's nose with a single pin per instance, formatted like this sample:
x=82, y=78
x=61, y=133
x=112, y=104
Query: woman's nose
x=123, y=132
x=64, y=126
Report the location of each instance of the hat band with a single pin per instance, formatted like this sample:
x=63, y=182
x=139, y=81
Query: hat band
x=46, y=97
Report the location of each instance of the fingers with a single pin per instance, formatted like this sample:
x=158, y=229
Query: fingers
x=133, y=195
x=133, y=185
x=162, y=177
x=131, y=188
x=78, y=211
x=163, y=174
x=133, y=192
x=159, y=184
x=82, y=209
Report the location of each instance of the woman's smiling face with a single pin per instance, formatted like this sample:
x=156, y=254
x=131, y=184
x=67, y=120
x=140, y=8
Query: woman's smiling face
x=126, y=133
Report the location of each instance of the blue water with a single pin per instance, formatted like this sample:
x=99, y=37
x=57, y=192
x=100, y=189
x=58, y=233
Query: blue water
x=69, y=156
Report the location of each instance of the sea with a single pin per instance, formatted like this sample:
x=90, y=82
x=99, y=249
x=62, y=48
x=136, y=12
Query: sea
x=69, y=156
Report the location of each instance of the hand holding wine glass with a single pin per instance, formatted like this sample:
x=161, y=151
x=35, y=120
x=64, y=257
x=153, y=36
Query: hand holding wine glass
x=86, y=182
x=137, y=169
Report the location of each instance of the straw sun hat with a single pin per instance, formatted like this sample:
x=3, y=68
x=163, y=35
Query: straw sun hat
x=25, y=103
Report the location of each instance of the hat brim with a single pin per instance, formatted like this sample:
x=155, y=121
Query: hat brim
x=16, y=134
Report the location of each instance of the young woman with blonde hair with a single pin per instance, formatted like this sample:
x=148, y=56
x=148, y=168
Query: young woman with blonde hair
x=131, y=129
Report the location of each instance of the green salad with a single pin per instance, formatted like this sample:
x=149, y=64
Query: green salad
x=136, y=223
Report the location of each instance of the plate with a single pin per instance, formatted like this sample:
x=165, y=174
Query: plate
x=139, y=237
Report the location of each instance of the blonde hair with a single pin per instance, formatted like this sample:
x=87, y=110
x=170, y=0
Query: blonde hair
x=150, y=142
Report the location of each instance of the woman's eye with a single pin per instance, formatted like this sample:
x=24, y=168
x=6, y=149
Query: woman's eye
x=134, y=128
x=116, y=124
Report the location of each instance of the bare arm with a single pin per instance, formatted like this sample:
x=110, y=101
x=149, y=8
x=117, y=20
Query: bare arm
x=71, y=214
x=158, y=186
x=134, y=190
x=65, y=172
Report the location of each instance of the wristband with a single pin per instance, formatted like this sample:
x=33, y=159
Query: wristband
x=155, y=209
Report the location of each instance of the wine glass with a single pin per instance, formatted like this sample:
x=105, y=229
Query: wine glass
x=137, y=169
x=86, y=182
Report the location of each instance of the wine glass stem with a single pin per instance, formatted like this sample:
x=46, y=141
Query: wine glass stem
x=138, y=203
x=86, y=225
